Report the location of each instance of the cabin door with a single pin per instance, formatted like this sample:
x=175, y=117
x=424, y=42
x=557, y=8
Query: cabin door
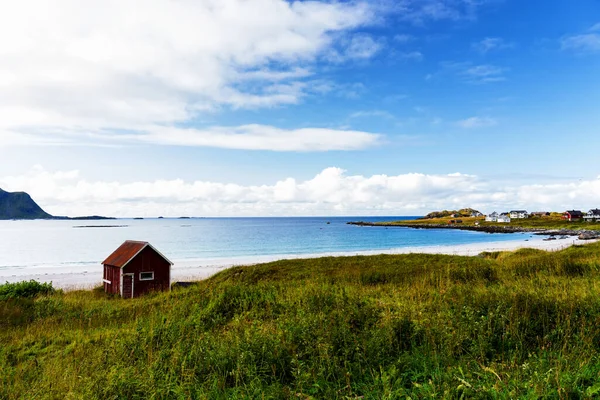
x=127, y=286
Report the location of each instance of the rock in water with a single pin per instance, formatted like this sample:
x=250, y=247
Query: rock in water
x=588, y=236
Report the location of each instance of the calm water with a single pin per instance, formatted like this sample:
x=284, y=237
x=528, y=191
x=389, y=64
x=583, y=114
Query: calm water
x=29, y=245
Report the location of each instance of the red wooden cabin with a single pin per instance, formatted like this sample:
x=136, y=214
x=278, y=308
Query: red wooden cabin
x=572, y=215
x=135, y=269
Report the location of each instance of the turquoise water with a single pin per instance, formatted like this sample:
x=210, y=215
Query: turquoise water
x=62, y=244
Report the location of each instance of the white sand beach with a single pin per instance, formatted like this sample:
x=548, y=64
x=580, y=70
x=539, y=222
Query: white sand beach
x=71, y=278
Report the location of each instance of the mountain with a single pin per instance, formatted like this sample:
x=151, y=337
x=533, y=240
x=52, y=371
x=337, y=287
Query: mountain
x=19, y=205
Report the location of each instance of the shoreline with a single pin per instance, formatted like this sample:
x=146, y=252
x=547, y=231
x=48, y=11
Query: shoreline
x=202, y=269
x=478, y=228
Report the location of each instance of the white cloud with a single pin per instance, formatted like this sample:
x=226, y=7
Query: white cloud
x=419, y=11
x=358, y=47
x=120, y=65
x=491, y=43
x=477, y=122
x=331, y=192
x=261, y=137
x=588, y=42
x=471, y=73
x=245, y=137
x=484, y=73
x=362, y=46
x=74, y=74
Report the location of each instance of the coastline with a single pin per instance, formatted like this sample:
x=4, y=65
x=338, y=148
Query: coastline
x=479, y=228
x=202, y=269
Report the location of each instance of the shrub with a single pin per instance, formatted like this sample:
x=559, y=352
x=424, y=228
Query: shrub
x=25, y=289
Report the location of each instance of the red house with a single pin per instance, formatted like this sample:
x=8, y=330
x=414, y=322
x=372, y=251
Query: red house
x=135, y=269
x=572, y=215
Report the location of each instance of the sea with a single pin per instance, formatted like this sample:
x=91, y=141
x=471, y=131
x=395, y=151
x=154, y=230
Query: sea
x=69, y=252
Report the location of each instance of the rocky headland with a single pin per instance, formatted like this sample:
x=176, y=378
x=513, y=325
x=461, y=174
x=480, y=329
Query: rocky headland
x=20, y=205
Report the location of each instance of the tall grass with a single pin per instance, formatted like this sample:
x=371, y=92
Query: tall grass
x=503, y=325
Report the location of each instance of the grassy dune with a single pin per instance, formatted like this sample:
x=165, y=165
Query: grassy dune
x=504, y=325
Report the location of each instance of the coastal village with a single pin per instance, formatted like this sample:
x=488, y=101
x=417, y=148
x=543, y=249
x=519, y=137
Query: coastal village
x=592, y=215
x=569, y=215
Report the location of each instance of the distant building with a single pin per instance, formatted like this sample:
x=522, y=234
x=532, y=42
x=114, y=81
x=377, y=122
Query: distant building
x=592, y=215
x=136, y=268
x=476, y=214
x=519, y=214
x=504, y=218
x=455, y=215
x=572, y=215
x=493, y=217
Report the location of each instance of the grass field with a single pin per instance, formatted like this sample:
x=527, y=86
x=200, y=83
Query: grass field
x=503, y=325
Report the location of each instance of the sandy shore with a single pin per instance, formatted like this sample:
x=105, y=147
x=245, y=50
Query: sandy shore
x=85, y=278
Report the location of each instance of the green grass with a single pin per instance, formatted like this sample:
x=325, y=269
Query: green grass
x=502, y=325
x=547, y=222
x=25, y=289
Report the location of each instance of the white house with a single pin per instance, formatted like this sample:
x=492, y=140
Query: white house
x=476, y=214
x=493, y=217
x=592, y=215
x=519, y=214
x=504, y=218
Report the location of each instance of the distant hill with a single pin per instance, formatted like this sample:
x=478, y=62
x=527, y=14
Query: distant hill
x=19, y=205
x=465, y=212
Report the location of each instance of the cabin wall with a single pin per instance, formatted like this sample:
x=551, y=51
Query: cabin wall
x=112, y=274
x=149, y=261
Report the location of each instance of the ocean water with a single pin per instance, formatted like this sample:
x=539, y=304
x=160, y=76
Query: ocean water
x=51, y=248
x=34, y=243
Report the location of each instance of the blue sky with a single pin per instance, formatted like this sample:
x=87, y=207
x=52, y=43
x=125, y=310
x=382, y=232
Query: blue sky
x=209, y=108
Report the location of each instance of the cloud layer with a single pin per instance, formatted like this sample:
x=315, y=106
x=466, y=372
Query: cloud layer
x=78, y=73
x=331, y=192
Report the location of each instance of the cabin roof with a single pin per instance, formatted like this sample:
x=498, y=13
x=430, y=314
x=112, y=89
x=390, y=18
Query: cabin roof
x=594, y=211
x=519, y=211
x=574, y=212
x=127, y=252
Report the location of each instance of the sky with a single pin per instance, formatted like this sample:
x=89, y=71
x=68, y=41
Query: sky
x=283, y=108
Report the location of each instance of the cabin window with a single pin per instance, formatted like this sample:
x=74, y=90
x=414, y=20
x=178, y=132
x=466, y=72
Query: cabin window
x=146, y=276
